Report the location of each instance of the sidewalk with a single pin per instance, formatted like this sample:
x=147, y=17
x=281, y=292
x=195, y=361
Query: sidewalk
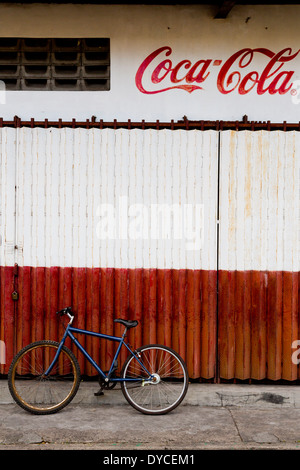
x=220, y=395
x=212, y=416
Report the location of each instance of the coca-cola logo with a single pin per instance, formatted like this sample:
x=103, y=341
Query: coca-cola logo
x=238, y=72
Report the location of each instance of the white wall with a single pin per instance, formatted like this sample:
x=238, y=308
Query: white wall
x=136, y=31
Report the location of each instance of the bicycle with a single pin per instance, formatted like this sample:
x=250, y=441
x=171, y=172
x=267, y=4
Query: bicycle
x=44, y=376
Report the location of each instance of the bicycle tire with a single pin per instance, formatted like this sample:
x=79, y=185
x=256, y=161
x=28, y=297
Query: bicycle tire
x=34, y=392
x=169, y=386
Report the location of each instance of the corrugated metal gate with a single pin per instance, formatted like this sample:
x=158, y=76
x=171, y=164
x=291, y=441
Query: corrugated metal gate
x=188, y=227
x=259, y=254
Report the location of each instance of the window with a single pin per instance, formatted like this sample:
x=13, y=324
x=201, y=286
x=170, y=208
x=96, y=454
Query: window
x=55, y=64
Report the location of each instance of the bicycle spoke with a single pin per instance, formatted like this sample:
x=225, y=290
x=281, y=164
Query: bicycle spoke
x=166, y=387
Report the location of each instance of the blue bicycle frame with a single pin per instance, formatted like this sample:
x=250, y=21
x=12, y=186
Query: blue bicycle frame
x=68, y=333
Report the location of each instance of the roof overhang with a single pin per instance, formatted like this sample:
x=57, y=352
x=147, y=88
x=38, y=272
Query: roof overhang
x=223, y=8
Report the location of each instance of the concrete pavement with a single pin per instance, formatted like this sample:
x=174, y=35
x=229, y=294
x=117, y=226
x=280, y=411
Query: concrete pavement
x=212, y=416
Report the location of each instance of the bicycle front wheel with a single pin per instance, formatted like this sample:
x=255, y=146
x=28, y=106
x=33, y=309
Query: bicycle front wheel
x=167, y=387
x=35, y=392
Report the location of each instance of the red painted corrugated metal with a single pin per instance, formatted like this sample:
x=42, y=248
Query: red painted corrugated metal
x=258, y=315
x=173, y=307
x=258, y=320
x=7, y=319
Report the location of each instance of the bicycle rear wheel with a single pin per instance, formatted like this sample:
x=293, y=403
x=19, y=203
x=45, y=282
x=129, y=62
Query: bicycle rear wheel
x=168, y=386
x=35, y=392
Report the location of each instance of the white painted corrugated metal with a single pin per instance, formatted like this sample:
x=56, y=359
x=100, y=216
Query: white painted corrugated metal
x=117, y=198
x=71, y=182
x=260, y=201
x=238, y=321
x=7, y=196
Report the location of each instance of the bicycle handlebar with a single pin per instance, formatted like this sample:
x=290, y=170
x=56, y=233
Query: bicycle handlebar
x=64, y=311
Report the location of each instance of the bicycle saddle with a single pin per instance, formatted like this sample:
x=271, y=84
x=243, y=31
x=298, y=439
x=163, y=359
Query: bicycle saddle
x=127, y=323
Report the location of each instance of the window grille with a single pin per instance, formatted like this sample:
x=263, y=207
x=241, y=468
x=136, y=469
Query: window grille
x=55, y=64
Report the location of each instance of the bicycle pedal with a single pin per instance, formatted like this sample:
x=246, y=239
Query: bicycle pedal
x=99, y=393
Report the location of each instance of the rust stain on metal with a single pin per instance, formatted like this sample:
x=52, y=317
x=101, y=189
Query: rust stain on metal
x=165, y=302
